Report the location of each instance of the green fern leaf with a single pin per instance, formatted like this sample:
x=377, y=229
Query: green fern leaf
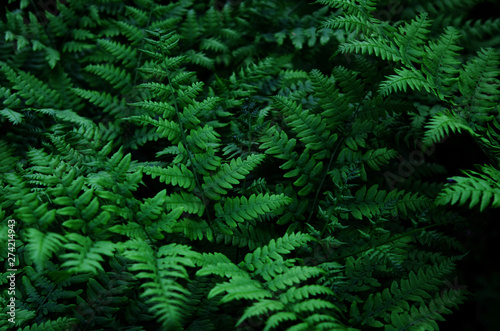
x=478, y=82
x=13, y=116
x=162, y=109
x=229, y=175
x=87, y=257
x=411, y=37
x=310, y=128
x=174, y=175
x=476, y=188
x=118, y=77
x=191, y=203
x=122, y=52
x=261, y=307
x=403, y=79
x=167, y=129
x=161, y=271
x=440, y=64
x=441, y=124
x=61, y=324
x=241, y=209
x=42, y=245
x=353, y=23
x=379, y=47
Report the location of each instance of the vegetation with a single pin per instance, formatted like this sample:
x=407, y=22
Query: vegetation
x=250, y=165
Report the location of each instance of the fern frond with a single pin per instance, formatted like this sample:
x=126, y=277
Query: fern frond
x=153, y=208
x=42, y=245
x=214, y=44
x=126, y=54
x=203, y=138
x=267, y=263
x=33, y=90
x=353, y=23
x=131, y=229
x=61, y=324
x=191, y=113
x=351, y=85
x=195, y=229
x=310, y=128
x=229, y=175
x=373, y=201
x=373, y=158
x=188, y=94
x=403, y=79
x=190, y=28
x=241, y=209
x=132, y=32
x=441, y=124
x=162, y=109
x=278, y=145
x=292, y=276
x=261, y=307
x=137, y=14
x=205, y=162
x=165, y=128
x=480, y=28
x=174, y=175
x=379, y=47
x=241, y=288
x=246, y=235
x=479, y=83
x=162, y=271
x=426, y=316
x=13, y=116
x=158, y=90
x=328, y=95
x=191, y=203
x=360, y=8
x=411, y=37
x=104, y=100
x=87, y=257
x=283, y=245
x=200, y=59
x=440, y=64
x=118, y=77
x=416, y=287
x=476, y=188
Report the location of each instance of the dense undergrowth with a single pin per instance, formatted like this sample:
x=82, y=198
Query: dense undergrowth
x=250, y=165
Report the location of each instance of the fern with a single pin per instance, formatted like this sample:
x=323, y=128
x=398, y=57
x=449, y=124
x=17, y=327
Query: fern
x=426, y=316
x=441, y=124
x=308, y=127
x=229, y=175
x=477, y=188
x=60, y=324
x=162, y=269
x=118, y=78
x=265, y=271
x=415, y=288
x=378, y=47
x=88, y=254
x=121, y=52
x=372, y=199
x=42, y=246
x=255, y=165
x=478, y=83
x=239, y=210
x=174, y=175
x=403, y=79
x=441, y=63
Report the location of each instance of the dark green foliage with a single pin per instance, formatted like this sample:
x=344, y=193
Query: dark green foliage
x=273, y=137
